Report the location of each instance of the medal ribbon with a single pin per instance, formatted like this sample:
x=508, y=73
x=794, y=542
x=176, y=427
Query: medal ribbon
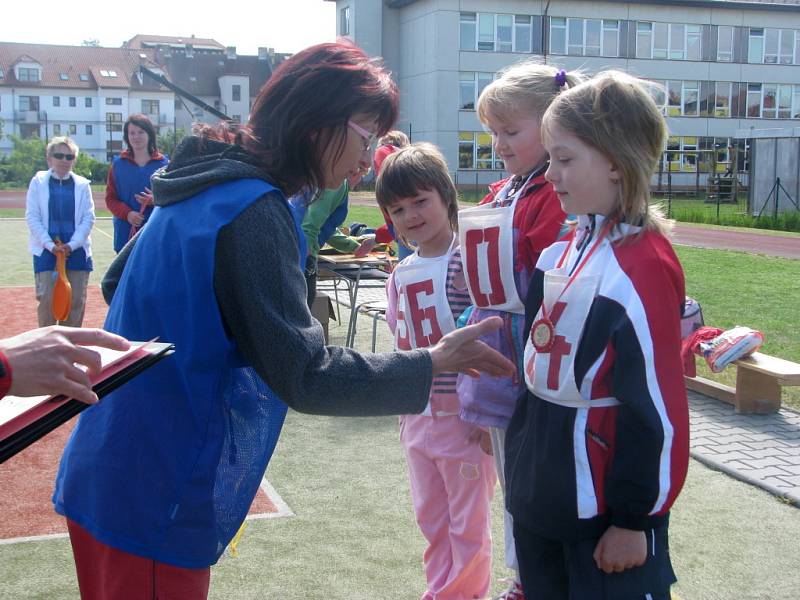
x=603, y=232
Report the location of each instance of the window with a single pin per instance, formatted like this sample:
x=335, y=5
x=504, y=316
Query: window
x=755, y=47
x=779, y=46
x=113, y=121
x=344, y=21
x=73, y=129
x=87, y=101
x=691, y=95
x=484, y=151
x=777, y=101
x=150, y=107
x=237, y=118
x=56, y=100
x=466, y=91
x=56, y=129
x=796, y=103
x=470, y=87
x=754, y=100
x=83, y=77
x=725, y=43
x=113, y=101
x=644, y=40
x=659, y=93
x=674, y=101
x=28, y=103
x=63, y=77
x=592, y=37
x=485, y=32
x=108, y=73
x=2, y=74
x=28, y=74
x=505, y=32
x=689, y=159
x=575, y=37
x=236, y=91
x=722, y=99
x=584, y=37
x=466, y=150
x=693, y=42
x=522, y=33
x=89, y=130
x=610, y=37
x=72, y=101
x=467, y=31
x=672, y=41
x=558, y=35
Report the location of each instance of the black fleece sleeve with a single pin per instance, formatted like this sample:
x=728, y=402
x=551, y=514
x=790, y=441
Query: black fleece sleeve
x=262, y=296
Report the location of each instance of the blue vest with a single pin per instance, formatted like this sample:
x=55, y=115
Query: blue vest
x=167, y=466
x=131, y=179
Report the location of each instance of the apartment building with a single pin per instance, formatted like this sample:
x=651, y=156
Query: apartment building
x=88, y=92
x=725, y=66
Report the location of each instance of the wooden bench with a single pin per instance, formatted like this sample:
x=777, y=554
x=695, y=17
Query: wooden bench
x=759, y=379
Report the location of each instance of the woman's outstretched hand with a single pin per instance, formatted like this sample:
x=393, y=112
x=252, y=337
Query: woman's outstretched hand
x=461, y=351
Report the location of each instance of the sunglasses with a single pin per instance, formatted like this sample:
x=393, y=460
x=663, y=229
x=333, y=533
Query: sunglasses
x=370, y=139
x=62, y=156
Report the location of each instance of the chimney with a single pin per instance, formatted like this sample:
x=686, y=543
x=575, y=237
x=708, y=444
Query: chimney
x=189, y=51
x=230, y=51
x=263, y=53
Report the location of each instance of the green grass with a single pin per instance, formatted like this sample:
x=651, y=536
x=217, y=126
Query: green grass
x=353, y=535
x=760, y=292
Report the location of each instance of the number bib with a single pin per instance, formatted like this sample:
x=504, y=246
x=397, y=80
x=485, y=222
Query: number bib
x=487, y=251
x=554, y=370
x=423, y=312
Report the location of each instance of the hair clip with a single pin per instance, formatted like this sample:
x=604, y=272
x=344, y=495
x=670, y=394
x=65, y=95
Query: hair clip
x=561, y=78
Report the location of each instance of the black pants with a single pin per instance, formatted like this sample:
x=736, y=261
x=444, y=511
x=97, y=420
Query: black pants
x=311, y=279
x=554, y=570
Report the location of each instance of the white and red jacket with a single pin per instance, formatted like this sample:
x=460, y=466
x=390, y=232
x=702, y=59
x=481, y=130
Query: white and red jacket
x=602, y=435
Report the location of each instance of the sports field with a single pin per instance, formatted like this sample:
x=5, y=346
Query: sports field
x=352, y=534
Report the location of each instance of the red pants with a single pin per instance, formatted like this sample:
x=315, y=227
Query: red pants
x=105, y=573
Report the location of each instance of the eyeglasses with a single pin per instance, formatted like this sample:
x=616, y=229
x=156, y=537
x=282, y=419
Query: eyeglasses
x=370, y=139
x=62, y=156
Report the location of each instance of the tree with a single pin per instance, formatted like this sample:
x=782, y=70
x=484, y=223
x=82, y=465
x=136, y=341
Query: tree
x=27, y=157
x=94, y=43
x=168, y=140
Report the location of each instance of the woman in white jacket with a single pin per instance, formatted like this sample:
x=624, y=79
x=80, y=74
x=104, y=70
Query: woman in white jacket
x=60, y=215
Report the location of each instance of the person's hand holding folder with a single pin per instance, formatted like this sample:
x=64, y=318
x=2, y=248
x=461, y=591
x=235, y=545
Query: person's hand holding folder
x=44, y=361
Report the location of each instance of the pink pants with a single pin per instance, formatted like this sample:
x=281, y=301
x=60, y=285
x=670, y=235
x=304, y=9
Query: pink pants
x=452, y=482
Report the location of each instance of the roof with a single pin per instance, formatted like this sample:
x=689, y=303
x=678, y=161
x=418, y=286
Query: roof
x=63, y=66
x=200, y=74
x=152, y=41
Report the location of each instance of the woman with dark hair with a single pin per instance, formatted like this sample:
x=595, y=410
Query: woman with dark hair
x=128, y=194
x=156, y=480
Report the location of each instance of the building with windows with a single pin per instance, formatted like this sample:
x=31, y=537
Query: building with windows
x=87, y=92
x=724, y=66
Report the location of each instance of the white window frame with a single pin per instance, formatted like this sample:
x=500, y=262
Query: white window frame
x=468, y=19
x=525, y=22
x=507, y=45
x=608, y=28
x=466, y=142
x=722, y=112
x=477, y=81
x=725, y=55
x=760, y=92
x=344, y=21
x=673, y=49
x=28, y=72
x=485, y=17
x=755, y=36
x=796, y=102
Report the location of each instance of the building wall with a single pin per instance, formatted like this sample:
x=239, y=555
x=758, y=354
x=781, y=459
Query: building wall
x=424, y=52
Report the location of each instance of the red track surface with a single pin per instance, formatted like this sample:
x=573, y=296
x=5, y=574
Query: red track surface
x=26, y=480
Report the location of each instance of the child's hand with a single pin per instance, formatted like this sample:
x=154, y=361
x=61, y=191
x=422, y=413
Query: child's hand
x=365, y=247
x=620, y=549
x=481, y=437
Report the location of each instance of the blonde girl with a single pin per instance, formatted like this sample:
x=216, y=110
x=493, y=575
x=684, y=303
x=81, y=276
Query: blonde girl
x=501, y=241
x=597, y=450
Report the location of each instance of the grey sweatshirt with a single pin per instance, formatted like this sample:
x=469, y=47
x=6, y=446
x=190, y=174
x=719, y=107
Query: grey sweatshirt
x=261, y=294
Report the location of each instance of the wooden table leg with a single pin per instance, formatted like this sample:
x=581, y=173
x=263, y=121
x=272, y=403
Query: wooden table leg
x=756, y=392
